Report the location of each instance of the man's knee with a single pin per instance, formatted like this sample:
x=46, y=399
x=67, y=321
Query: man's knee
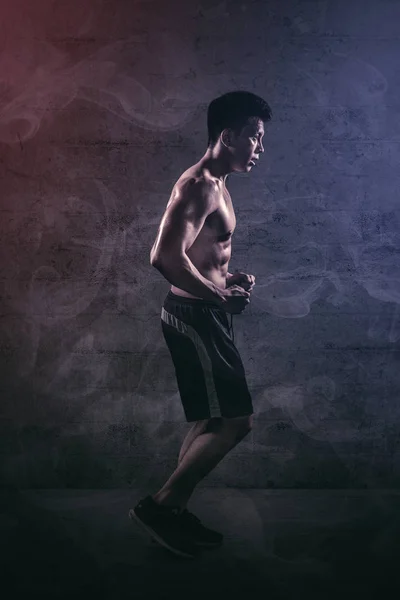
x=238, y=426
x=245, y=425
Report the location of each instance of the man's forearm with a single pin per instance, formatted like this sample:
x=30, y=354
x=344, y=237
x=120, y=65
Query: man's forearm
x=186, y=277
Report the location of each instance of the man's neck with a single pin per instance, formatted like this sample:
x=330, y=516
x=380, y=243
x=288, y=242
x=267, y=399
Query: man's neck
x=217, y=166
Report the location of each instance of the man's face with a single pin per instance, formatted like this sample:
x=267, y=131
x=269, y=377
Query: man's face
x=248, y=145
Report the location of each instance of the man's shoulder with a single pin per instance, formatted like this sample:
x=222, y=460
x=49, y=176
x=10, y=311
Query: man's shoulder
x=195, y=181
x=194, y=185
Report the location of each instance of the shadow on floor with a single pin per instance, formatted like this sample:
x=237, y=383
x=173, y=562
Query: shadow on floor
x=281, y=543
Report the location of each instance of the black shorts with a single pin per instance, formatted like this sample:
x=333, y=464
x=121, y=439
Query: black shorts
x=209, y=370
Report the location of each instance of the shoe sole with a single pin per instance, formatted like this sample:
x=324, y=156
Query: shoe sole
x=157, y=538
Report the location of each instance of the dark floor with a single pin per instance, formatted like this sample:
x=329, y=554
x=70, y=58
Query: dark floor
x=280, y=543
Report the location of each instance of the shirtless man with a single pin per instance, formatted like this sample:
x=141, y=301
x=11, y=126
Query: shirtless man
x=192, y=251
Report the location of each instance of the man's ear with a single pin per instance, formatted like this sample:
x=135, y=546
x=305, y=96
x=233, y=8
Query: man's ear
x=226, y=137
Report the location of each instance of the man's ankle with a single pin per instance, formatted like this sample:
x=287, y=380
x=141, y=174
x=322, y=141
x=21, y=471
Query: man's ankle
x=166, y=502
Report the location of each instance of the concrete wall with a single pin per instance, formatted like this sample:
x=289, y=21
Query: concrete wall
x=103, y=105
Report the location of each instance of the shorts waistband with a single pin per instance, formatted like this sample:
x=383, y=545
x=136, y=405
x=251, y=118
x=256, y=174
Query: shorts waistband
x=191, y=301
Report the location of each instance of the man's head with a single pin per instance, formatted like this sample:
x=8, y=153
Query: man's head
x=235, y=127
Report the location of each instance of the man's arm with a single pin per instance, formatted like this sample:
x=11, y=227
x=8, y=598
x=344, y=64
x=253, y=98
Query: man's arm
x=227, y=276
x=179, y=228
x=184, y=275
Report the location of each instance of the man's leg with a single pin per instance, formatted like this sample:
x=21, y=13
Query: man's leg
x=203, y=455
x=196, y=429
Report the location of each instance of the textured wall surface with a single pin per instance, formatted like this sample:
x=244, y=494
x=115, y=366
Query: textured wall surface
x=102, y=106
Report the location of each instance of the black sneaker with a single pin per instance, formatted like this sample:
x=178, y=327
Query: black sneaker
x=202, y=536
x=164, y=526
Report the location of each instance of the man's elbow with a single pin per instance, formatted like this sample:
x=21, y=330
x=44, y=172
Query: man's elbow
x=163, y=265
x=154, y=261
x=158, y=263
x=155, y=258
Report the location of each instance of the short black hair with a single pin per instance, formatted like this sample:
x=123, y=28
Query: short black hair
x=233, y=110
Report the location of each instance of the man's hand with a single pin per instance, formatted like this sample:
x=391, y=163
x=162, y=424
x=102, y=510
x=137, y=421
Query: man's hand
x=245, y=281
x=236, y=299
